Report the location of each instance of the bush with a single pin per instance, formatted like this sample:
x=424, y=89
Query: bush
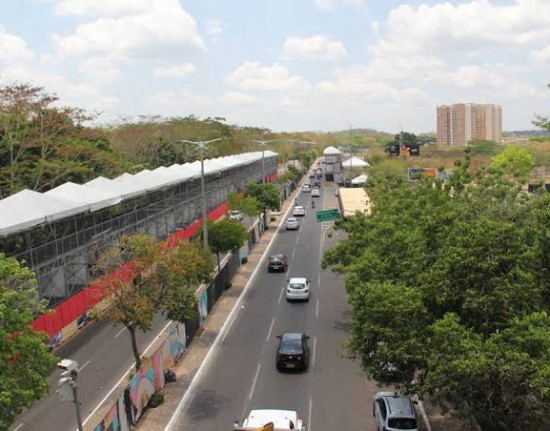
x=273, y=218
x=244, y=260
x=228, y=285
x=156, y=399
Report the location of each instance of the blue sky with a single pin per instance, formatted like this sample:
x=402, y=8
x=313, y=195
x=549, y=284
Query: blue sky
x=284, y=64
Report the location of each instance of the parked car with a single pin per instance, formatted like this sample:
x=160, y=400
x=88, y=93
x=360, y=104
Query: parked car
x=277, y=262
x=235, y=215
x=315, y=193
x=292, y=224
x=297, y=289
x=306, y=188
x=293, y=352
x=299, y=211
x=393, y=412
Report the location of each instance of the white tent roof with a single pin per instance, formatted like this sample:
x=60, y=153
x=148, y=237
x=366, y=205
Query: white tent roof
x=96, y=198
x=355, y=162
x=28, y=208
x=331, y=151
x=361, y=179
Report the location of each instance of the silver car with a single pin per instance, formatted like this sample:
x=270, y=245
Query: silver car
x=393, y=412
x=235, y=215
x=297, y=289
x=292, y=223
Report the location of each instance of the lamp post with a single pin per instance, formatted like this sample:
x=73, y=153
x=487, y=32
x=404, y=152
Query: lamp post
x=202, y=145
x=263, y=144
x=68, y=390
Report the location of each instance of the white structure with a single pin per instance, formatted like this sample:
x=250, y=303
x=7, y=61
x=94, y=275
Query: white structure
x=355, y=162
x=333, y=164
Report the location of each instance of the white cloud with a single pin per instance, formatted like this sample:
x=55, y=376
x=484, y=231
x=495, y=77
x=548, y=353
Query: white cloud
x=104, y=7
x=251, y=76
x=183, y=102
x=178, y=71
x=13, y=48
x=315, y=47
x=100, y=69
x=149, y=33
x=214, y=27
x=471, y=76
x=238, y=98
x=541, y=55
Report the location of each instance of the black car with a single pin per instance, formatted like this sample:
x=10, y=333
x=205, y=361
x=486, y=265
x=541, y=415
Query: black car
x=293, y=352
x=277, y=262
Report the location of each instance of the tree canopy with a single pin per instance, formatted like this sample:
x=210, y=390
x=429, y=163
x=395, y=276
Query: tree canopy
x=514, y=161
x=24, y=359
x=142, y=277
x=448, y=286
x=267, y=196
x=225, y=236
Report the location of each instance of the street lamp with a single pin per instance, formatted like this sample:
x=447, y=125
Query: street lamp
x=202, y=145
x=68, y=390
x=263, y=144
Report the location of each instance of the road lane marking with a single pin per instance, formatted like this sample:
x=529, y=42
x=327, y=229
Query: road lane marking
x=124, y=376
x=85, y=365
x=297, y=238
x=221, y=333
x=281, y=295
x=120, y=332
x=293, y=251
x=314, y=351
x=317, y=309
x=309, y=415
x=319, y=281
x=20, y=425
x=254, y=382
x=270, y=329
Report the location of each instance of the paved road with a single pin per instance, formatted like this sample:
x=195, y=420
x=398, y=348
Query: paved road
x=332, y=394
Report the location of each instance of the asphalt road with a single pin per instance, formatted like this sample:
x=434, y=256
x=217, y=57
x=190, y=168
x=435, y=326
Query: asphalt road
x=332, y=394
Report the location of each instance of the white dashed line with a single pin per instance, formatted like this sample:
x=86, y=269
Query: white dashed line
x=120, y=332
x=270, y=329
x=281, y=295
x=309, y=415
x=314, y=351
x=85, y=365
x=254, y=382
x=317, y=309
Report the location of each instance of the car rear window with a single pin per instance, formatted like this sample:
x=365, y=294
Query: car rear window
x=291, y=346
x=297, y=286
x=402, y=423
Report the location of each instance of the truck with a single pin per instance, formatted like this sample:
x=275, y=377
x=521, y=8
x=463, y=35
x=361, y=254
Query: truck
x=271, y=420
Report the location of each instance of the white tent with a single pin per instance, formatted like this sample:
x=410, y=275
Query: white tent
x=329, y=151
x=355, y=162
x=96, y=198
x=28, y=208
x=361, y=179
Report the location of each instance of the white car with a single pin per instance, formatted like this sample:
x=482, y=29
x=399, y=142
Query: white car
x=281, y=419
x=297, y=289
x=291, y=224
x=315, y=193
x=306, y=188
x=299, y=211
x=235, y=215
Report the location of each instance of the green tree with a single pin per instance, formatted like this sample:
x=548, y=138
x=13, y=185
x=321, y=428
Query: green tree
x=248, y=205
x=267, y=196
x=444, y=280
x=142, y=277
x=514, y=161
x=25, y=359
x=225, y=236
x=542, y=121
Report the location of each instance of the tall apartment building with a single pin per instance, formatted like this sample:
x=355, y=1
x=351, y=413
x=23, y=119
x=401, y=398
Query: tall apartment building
x=463, y=122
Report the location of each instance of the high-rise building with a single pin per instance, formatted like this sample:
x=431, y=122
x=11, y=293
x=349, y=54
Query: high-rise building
x=463, y=122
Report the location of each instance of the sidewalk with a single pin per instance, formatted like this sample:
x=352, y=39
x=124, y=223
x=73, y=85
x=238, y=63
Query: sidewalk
x=157, y=419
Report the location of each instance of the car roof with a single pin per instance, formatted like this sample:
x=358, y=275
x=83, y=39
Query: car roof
x=298, y=280
x=291, y=336
x=280, y=418
x=291, y=219
x=299, y=206
x=277, y=256
x=398, y=405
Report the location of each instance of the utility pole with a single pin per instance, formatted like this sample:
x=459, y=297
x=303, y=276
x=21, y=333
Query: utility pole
x=68, y=390
x=263, y=144
x=202, y=145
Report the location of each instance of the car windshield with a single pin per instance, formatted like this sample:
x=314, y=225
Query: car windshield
x=276, y=259
x=402, y=423
x=291, y=345
x=291, y=220
x=297, y=286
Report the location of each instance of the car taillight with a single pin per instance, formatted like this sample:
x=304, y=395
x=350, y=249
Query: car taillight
x=306, y=290
x=288, y=291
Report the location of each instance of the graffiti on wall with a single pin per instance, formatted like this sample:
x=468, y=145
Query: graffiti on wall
x=115, y=419
x=203, y=307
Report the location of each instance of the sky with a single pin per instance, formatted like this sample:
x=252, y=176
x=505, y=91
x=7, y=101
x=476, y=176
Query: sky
x=286, y=65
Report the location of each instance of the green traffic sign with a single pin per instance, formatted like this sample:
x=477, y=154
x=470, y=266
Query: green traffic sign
x=328, y=215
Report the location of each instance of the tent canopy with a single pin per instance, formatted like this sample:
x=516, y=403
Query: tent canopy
x=329, y=151
x=355, y=162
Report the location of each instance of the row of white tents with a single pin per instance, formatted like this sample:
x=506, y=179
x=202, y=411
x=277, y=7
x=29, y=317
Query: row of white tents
x=29, y=208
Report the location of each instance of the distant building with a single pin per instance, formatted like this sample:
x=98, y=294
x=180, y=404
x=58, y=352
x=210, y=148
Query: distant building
x=463, y=122
x=333, y=164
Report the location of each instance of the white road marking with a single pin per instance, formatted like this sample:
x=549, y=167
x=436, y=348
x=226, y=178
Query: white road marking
x=123, y=376
x=120, y=332
x=281, y=295
x=317, y=309
x=293, y=251
x=297, y=238
x=254, y=382
x=20, y=425
x=314, y=351
x=319, y=281
x=270, y=329
x=223, y=330
x=309, y=415
x=85, y=365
